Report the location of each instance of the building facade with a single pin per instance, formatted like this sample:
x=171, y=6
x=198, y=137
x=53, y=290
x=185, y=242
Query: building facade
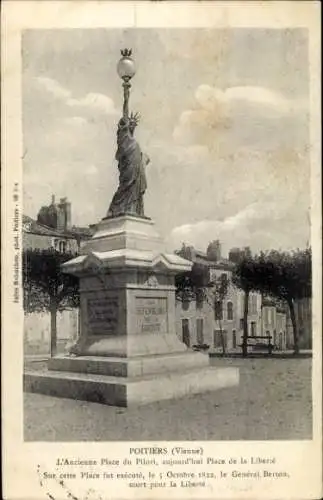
x=274, y=323
x=53, y=229
x=220, y=325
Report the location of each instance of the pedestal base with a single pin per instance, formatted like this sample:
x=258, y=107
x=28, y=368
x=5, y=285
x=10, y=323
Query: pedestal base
x=128, y=351
x=138, y=366
x=126, y=382
x=129, y=346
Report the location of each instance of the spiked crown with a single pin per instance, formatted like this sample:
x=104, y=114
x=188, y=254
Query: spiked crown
x=134, y=119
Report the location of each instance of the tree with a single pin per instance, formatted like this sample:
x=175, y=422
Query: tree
x=245, y=277
x=220, y=287
x=283, y=275
x=196, y=285
x=47, y=288
x=192, y=284
x=287, y=276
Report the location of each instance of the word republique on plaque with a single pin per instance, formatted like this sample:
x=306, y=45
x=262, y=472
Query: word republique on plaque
x=151, y=314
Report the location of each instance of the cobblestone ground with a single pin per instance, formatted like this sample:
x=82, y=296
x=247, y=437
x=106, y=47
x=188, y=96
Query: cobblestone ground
x=273, y=401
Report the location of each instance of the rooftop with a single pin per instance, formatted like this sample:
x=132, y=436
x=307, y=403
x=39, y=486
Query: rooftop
x=200, y=257
x=36, y=228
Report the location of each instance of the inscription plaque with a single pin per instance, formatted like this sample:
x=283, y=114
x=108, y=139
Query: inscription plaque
x=151, y=314
x=103, y=315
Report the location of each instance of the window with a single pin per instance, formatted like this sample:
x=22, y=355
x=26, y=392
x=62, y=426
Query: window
x=281, y=341
x=253, y=304
x=62, y=246
x=224, y=277
x=217, y=338
x=253, y=329
x=218, y=310
x=272, y=321
x=212, y=274
x=199, y=331
x=229, y=310
x=241, y=324
x=199, y=299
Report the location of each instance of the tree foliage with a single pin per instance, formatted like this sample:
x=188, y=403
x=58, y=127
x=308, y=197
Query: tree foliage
x=284, y=275
x=46, y=287
x=287, y=276
x=192, y=284
x=45, y=283
x=196, y=285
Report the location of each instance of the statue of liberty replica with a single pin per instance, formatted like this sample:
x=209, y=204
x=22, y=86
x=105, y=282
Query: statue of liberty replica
x=128, y=199
x=128, y=351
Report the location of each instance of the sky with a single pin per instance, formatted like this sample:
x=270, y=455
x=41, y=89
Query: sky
x=224, y=120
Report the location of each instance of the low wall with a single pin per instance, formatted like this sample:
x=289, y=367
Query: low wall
x=37, y=331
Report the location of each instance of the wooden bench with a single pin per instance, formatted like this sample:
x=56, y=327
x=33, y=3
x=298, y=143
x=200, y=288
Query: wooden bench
x=252, y=341
x=201, y=347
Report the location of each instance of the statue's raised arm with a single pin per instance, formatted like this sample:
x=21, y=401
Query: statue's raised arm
x=126, y=94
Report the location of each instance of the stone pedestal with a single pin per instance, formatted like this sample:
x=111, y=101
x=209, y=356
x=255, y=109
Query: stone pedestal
x=128, y=351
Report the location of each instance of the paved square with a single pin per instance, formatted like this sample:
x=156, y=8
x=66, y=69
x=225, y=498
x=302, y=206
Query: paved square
x=272, y=402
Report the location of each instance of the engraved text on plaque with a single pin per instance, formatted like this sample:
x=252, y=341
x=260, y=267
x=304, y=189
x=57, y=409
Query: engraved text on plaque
x=103, y=315
x=151, y=314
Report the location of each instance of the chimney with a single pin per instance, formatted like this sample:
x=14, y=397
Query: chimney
x=64, y=221
x=235, y=255
x=213, y=251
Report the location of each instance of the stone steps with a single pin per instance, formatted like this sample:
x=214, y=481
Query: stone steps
x=130, y=391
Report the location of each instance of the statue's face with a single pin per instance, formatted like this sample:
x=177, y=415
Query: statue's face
x=121, y=123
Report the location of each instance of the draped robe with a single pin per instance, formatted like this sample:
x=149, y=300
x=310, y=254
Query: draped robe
x=128, y=199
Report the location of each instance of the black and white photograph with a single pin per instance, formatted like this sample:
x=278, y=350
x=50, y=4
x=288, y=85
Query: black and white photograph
x=163, y=228
x=166, y=197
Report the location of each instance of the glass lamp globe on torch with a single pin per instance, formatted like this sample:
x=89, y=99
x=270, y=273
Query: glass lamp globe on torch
x=126, y=70
x=126, y=66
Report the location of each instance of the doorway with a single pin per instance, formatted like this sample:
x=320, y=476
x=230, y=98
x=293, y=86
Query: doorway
x=186, y=332
x=234, y=339
x=199, y=331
